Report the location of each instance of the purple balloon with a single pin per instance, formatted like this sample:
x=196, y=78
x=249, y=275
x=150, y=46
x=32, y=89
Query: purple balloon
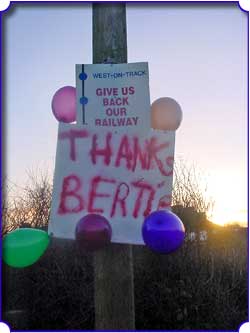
x=163, y=231
x=93, y=232
x=64, y=104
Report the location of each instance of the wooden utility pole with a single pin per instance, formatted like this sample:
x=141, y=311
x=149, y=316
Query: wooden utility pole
x=114, y=287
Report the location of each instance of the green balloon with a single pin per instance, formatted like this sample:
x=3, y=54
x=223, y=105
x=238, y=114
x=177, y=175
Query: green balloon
x=23, y=247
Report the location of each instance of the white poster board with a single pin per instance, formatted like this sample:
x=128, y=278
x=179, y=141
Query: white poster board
x=123, y=174
x=112, y=96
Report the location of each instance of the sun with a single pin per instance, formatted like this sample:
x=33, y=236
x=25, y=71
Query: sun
x=222, y=217
x=230, y=200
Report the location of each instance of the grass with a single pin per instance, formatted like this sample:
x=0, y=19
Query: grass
x=202, y=286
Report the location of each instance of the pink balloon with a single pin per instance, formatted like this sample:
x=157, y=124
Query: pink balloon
x=64, y=104
x=166, y=114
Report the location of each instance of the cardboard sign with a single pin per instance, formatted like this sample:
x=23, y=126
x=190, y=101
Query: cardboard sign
x=112, y=96
x=123, y=177
x=111, y=162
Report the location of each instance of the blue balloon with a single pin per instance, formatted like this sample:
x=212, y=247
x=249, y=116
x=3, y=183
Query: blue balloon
x=163, y=232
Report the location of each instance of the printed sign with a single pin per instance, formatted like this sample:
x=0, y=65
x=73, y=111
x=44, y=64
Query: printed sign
x=123, y=172
x=112, y=96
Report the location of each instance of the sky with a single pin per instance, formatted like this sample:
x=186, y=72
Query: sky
x=197, y=54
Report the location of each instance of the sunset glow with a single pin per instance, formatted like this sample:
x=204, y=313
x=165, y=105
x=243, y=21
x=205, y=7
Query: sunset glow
x=230, y=199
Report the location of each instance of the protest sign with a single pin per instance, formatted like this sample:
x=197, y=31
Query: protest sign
x=112, y=164
x=113, y=96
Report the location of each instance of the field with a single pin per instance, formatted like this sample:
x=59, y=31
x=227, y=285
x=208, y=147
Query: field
x=202, y=286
